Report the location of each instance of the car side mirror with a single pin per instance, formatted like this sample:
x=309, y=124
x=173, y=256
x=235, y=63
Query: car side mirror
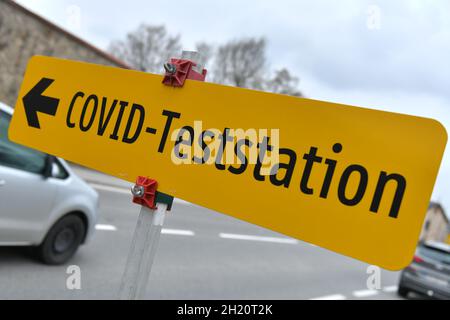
x=47, y=172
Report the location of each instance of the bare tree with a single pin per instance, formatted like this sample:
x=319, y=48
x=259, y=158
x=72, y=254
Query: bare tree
x=206, y=52
x=147, y=48
x=283, y=82
x=241, y=63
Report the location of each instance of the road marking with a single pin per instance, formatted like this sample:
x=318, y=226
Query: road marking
x=364, y=293
x=390, y=289
x=331, y=297
x=104, y=187
x=178, y=232
x=109, y=188
x=257, y=238
x=109, y=227
x=105, y=227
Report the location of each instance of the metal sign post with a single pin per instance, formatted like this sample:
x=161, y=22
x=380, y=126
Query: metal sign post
x=142, y=252
x=154, y=204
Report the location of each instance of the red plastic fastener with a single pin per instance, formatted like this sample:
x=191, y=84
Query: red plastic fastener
x=182, y=70
x=144, y=192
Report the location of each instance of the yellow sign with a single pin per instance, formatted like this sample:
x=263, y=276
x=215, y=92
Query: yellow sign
x=352, y=180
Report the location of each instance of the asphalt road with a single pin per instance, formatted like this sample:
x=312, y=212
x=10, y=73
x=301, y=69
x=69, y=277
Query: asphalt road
x=202, y=255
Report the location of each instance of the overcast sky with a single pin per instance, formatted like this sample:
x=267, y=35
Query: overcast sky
x=390, y=55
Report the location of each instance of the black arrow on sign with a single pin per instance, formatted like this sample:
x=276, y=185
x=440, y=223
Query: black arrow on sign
x=35, y=102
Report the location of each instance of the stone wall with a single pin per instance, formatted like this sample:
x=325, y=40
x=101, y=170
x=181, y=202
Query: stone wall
x=24, y=34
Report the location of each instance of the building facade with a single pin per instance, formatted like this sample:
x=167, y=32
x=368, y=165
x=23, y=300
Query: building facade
x=24, y=34
x=436, y=224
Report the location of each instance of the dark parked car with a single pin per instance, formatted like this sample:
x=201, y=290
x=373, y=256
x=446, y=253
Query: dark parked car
x=429, y=272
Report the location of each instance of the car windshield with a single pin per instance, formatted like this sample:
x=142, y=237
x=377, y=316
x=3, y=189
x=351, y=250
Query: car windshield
x=435, y=254
x=17, y=156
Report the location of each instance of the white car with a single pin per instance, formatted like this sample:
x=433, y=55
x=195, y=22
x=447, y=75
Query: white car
x=42, y=202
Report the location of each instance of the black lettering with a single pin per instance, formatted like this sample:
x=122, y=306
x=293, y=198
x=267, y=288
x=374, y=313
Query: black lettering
x=205, y=149
x=123, y=105
x=93, y=98
x=135, y=107
x=103, y=123
x=289, y=167
x=263, y=147
x=77, y=95
x=310, y=158
x=399, y=192
x=337, y=147
x=180, y=140
x=361, y=186
x=224, y=138
x=170, y=115
x=241, y=156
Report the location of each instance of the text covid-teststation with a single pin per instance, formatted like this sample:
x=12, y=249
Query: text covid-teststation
x=353, y=180
x=95, y=113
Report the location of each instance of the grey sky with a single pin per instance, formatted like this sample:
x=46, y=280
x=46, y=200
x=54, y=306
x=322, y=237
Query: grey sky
x=390, y=55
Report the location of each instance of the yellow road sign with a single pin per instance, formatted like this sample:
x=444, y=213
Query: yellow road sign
x=352, y=180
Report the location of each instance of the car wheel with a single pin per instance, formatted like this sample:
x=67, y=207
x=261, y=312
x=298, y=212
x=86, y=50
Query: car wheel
x=402, y=291
x=62, y=241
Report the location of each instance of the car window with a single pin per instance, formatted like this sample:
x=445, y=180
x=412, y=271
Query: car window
x=434, y=254
x=58, y=170
x=17, y=156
